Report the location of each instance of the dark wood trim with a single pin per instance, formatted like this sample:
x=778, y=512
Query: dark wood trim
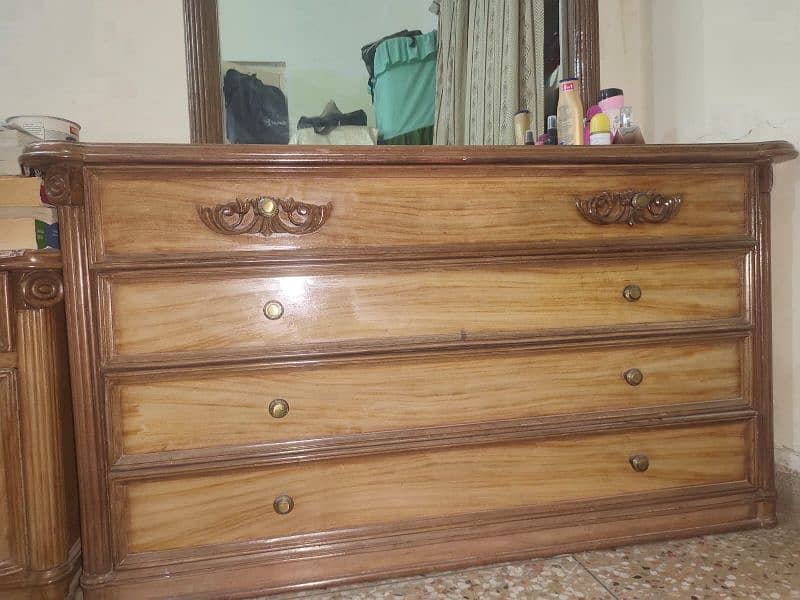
x=201, y=33
x=203, y=62
x=31, y=260
x=583, y=60
x=245, y=156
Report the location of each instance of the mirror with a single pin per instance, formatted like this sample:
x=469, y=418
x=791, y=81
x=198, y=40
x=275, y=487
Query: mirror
x=397, y=72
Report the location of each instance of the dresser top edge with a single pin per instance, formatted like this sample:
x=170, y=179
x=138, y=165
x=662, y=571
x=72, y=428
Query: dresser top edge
x=44, y=153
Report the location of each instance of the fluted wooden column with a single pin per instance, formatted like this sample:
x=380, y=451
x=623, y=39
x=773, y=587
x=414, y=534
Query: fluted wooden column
x=40, y=540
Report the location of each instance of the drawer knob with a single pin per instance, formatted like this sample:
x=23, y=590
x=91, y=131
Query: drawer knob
x=632, y=292
x=639, y=462
x=273, y=310
x=283, y=504
x=267, y=207
x=278, y=408
x=633, y=376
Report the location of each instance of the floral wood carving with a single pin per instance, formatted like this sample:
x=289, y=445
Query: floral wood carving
x=39, y=289
x=264, y=216
x=629, y=207
x=61, y=185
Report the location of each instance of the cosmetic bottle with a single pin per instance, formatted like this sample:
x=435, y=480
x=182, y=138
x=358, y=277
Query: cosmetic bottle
x=569, y=115
x=552, y=131
x=590, y=113
x=611, y=101
x=628, y=132
x=522, y=123
x=600, y=130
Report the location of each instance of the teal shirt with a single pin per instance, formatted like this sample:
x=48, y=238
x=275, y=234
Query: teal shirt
x=405, y=84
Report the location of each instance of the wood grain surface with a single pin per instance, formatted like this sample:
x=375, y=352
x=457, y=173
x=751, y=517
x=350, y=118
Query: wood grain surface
x=9, y=482
x=417, y=308
x=214, y=312
x=329, y=495
x=230, y=406
x=140, y=213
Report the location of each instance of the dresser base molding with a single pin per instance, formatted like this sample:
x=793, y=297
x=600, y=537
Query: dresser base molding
x=420, y=553
x=57, y=583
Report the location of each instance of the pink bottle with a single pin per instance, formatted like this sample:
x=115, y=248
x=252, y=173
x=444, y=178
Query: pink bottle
x=611, y=103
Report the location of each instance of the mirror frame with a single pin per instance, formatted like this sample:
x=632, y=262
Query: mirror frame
x=201, y=32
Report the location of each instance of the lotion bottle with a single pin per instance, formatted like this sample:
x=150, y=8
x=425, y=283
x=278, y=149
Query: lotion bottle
x=569, y=115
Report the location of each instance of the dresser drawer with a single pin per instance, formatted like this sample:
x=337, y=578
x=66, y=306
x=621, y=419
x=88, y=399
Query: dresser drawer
x=200, y=315
x=296, y=402
x=408, y=489
x=138, y=213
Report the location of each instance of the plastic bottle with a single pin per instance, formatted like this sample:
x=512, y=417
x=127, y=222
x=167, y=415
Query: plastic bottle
x=569, y=115
x=611, y=103
x=600, y=130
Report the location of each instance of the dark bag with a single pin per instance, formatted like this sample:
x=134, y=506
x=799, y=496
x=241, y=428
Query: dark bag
x=255, y=113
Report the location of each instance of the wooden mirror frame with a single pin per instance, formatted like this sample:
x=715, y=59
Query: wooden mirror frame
x=203, y=62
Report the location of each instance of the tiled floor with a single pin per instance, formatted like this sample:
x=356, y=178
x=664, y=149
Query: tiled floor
x=759, y=565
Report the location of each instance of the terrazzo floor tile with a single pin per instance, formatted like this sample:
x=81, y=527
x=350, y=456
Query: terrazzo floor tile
x=668, y=570
x=770, y=557
x=759, y=564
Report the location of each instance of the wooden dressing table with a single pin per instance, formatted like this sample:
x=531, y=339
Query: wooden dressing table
x=300, y=366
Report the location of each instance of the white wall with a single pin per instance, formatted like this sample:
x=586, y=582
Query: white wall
x=320, y=41
x=626, y=56
x=724, y=71
x=117, y=67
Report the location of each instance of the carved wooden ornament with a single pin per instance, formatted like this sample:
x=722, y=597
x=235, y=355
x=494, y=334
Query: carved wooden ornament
x=629, y=207
x=265, y=215
x=39, y=289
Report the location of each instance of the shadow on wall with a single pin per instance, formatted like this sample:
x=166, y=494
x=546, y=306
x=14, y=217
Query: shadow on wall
x=785, y=319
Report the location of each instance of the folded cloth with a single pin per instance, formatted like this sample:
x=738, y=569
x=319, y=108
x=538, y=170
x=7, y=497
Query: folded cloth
x=346, y=135
x=331, y=118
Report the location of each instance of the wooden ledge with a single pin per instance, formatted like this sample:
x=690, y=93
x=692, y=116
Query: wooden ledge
x=42, y=153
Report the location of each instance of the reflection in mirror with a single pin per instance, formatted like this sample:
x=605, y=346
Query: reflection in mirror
x=393, y=72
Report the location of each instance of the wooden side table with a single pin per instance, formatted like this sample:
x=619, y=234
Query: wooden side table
x=39, y=519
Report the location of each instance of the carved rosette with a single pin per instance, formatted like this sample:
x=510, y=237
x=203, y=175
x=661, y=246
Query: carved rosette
x=629, y=207
x=39, y=289
x=265, y=215
x=62, y=185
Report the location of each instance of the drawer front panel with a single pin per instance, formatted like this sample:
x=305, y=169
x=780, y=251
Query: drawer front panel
x=233, y=407
x=385, y=489
x=202, y=314
x=137, y=213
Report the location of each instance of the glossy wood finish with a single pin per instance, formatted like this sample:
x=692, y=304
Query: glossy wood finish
x=201, y=33
x=395, y=349
x=39, y=536
x=415, y=487
x=203, y=71
x=347, y=309
x=381, y=210
x=230, y=406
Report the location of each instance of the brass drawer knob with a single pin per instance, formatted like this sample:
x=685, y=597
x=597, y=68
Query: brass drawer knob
x=267, y=207
x=639, y=462
x=632, y=292
x=283, y=504
x=278, y=408
x=633, y=376
x=273, y=310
